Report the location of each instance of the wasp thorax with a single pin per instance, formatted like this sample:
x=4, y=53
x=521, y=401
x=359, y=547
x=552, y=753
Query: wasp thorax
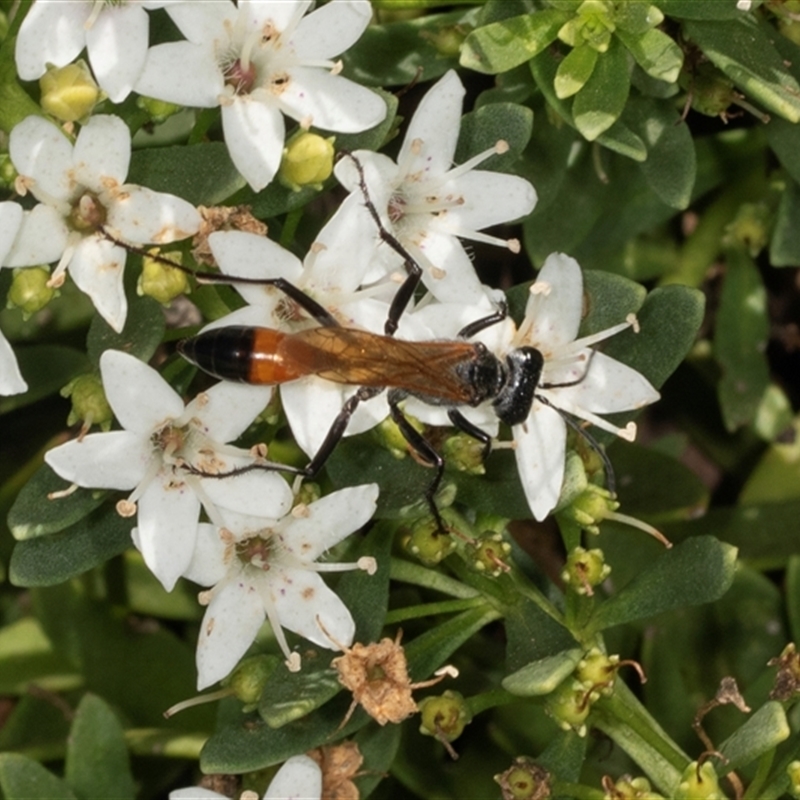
x=87, y=214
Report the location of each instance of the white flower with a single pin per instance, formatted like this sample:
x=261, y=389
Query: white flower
x=601, y=384
x=11, y=380
x=264, y=569
x=161, y=452
x=300, y=778
x=83, y=201
x=258, y=62
x=115, y=35
x=427, y=203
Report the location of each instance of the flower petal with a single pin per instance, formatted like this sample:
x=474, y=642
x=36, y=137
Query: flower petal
x=142, y=400
x=205, y=22
x=448, y=271
x=330, y=102
x=300, y=778
x=254, y=133
x=141, y=216
x=42, y=238
x=113, y=460
x=226, y=409
x=433, y=130
x=117, y=47
x=41, y=151
x=11, y=380
x=306, y=606
x=102, y=152
x=10, y=222
x=331, y=29
x=229, y=627
x=325, y=522
x=541, y=449
x=195, y=793
x=96, y=267
x=277, y=14
x=182, y=72
x=51, y=33
x=260, y=493
x=555, y=304
x=208, y=565
x=167, y=523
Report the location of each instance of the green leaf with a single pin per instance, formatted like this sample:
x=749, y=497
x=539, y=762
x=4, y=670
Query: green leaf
x=33, y=514
x=784, y=139
x=142, y=334
x=532, y=634
x=574, y=71
x=46, y=368
x=202, y=174
x=36, y=728
x=761, y=733
x=703, y=9
x=696, y=571
x=784, y=247
x=483, y=128
x=503, y=45
x=49, y=560
x=398, y=53
x=289, y=696
x=379, y=749
x=97, y=762
x=598, y=105
x=542, y=676
x=742, y=49
x=740, y=340
x=655, y=52
x=22, y=778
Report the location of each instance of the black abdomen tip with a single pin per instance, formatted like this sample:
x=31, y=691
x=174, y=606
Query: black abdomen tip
x=225, y=353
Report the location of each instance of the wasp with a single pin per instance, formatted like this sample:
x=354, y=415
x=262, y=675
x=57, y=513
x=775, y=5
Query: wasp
x=449, y=373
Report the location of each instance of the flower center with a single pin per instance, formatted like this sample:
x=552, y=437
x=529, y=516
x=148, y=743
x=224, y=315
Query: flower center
x=241, y=77
x=87, y=214
x=256, y=551
x=169, y=440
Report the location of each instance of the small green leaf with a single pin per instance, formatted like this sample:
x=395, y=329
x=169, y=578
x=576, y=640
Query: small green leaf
x=703, y=9
x=696, y=571
x=784, y=248
x=97, y=763
x=543, y=676
x=740, y=340
x=784, y=139
x=742, y=49
x=574, y=71
x=655, y=52
x=142, y=334
x=34, y=514
x=503, y=45
x=289, y=696
x=483, y=128
x=533, y=635
x=22, y=778
x=598, y=105
x=762, y=732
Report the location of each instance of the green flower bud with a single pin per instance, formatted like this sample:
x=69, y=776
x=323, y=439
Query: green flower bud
x=389, y=435
x=592, y=25
x=30, y=291
x=699, y=782
x=524, y=780
x=597, y=672
x=161, y=282
x=158, y=110
x=248, y=679
x=751, y=227
x=69, y=93
x=627, y=788
x=465, y=453
x=309, y=493
x=711, y=92
x=8, y=175
x=569, y=705
x=487, y=553
x=89, y=404
x=584, y=570
x=444, y=716
x=307, y=161
x=793, y=771
x=427, y=543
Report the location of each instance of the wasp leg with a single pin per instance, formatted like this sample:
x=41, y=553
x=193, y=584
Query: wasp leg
x=337, y=429
x=471, y=429
x=481, y=324
x=406, y=291
x=425, y=450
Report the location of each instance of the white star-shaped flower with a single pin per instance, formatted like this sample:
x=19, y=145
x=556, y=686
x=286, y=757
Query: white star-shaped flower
x=11, y=380
x=300, y=778
x=259, y=61
x=600, y=384
x=82, y=201
x=427, y=203
x=115, y=36
x=264, y=569
x=163, y=454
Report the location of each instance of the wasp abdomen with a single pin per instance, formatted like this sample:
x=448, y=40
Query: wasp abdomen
x=225, y=353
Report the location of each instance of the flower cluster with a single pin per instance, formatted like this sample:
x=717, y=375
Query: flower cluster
x=207, y=509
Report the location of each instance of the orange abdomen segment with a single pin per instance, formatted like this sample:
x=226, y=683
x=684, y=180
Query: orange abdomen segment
x=269, y=362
